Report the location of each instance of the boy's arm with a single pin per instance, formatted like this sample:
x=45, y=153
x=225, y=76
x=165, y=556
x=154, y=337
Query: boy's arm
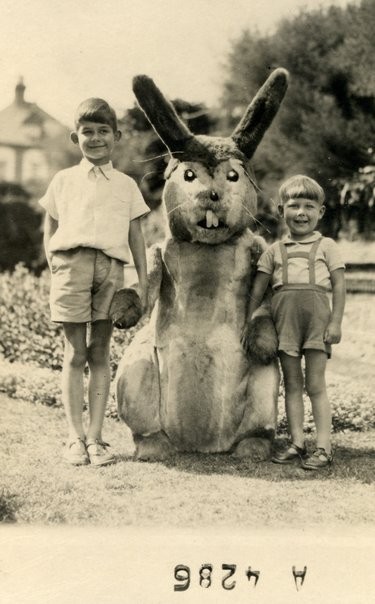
x=263, y=261
x=50, y=227
x=333, y=332
x=138, y=250
x=257, y=292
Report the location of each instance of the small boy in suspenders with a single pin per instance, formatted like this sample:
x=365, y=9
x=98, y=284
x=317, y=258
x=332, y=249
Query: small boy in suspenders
x=302, y=268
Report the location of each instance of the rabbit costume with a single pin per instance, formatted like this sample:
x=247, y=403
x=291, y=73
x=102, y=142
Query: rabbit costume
x=185, y=383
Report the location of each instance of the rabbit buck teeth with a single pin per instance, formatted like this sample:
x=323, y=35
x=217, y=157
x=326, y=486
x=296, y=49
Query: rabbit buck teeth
x=211, y=219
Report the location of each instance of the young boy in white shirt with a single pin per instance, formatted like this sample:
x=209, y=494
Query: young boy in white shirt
x=92, y=219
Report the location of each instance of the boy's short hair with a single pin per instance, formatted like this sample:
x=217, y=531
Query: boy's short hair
x=95, y=110
x=301, y=186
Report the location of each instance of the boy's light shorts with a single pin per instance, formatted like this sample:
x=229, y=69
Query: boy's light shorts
x=301, y=318
x=83, y=283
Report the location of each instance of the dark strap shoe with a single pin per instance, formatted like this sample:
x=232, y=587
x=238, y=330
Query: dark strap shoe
x=319, y=459
x=290, y=454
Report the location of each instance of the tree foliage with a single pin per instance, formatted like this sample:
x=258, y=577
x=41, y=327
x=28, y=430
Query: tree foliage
x=20, y=233
x=327, y=121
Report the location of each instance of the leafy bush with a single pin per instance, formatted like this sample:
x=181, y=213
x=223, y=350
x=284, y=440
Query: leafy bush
x=32, y=347
x=21, y=234
x=39, y=385
x=29, y=383
x=352, y=407
x=8, y=506
x=351, y=404
x=27, y=333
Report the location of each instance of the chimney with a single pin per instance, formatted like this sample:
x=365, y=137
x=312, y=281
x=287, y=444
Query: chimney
x=20, y=92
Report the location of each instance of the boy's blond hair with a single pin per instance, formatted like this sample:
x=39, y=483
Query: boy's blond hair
x=301, y=186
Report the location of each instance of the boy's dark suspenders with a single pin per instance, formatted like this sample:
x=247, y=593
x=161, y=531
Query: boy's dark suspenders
x=310, y=256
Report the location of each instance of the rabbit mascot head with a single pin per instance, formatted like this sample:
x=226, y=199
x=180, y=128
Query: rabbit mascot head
x=209, y=194
x=186, y=383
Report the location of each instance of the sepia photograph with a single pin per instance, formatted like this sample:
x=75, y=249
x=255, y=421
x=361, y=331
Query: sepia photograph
x=187, y=288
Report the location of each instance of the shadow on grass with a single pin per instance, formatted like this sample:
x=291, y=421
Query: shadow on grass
x=350, y=462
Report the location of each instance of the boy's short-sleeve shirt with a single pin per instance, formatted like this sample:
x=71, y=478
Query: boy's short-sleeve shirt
x=93, y=206
x=327, y=259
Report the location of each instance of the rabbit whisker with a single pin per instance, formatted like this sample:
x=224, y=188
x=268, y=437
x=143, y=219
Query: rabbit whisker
x=143, y=161
x=178, y=206
x=248, y=212
x=255, y=219
x=147, y=175
x=253, y=182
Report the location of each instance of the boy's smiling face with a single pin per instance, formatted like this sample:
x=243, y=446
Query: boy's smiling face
x=301, y=216
x=96, y=141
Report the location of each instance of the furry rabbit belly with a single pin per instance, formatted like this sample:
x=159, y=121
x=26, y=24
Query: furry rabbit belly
x=206, y=377
x=206, y=394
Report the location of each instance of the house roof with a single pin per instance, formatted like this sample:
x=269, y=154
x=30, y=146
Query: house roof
x=16, y=119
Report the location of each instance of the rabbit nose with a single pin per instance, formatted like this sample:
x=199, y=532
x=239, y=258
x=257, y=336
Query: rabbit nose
x=214, y=196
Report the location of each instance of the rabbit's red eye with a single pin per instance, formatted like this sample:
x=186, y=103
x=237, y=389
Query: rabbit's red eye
x=232, y=175
x=189, y=175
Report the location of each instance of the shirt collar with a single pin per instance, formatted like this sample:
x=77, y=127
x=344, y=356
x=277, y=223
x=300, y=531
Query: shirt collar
x=105, y=169
x=313, y=237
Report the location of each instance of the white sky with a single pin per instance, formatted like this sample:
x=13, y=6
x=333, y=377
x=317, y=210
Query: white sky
x=68, y=50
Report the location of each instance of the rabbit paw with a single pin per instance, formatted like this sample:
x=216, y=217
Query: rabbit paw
x=260, y=341
x=126, y=308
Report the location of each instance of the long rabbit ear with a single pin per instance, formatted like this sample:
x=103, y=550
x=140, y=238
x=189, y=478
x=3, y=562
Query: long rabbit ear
x=261, y=112
x=161, y=114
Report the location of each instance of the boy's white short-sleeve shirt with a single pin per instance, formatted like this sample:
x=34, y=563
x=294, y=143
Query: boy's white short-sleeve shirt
x=93, y=206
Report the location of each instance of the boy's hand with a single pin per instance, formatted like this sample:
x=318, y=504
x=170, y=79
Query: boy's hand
x=333, y=333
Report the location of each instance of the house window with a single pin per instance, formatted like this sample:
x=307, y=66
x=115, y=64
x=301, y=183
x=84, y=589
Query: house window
x=34, y=166
x=34, y=131
x=7, y=163
x=3, y=169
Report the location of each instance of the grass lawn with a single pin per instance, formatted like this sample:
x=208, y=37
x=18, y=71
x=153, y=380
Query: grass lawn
x=188, y=490
x=191, y=490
